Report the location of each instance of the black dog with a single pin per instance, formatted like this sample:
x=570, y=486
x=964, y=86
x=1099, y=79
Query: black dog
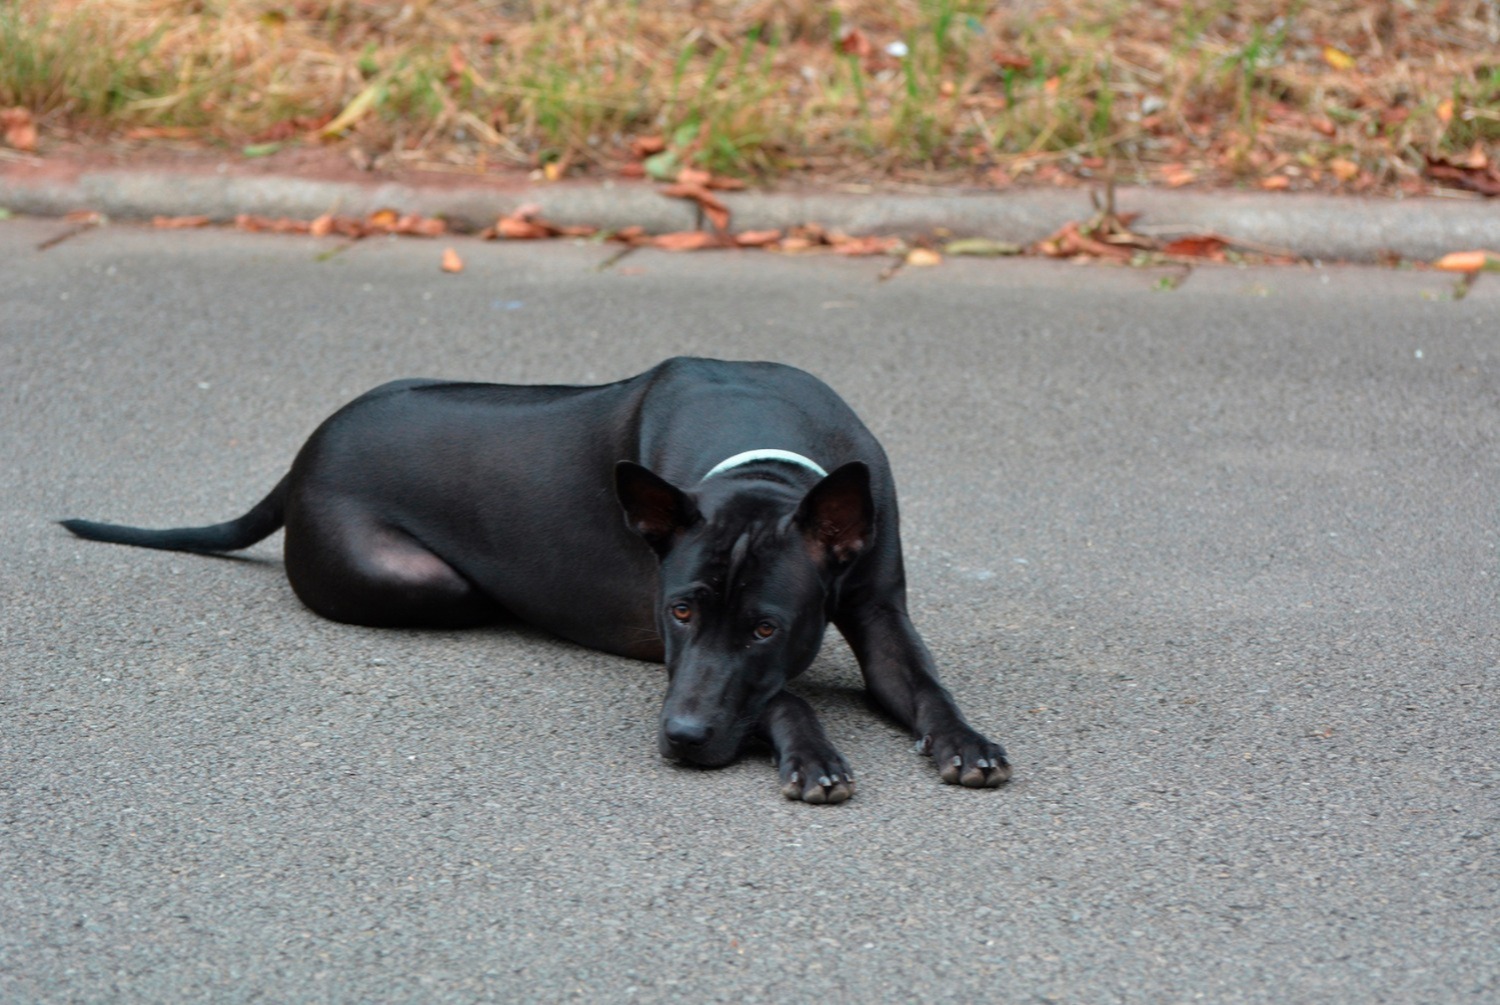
x=435, y=503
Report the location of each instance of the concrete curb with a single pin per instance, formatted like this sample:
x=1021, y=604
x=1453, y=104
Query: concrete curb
x=1330, y=228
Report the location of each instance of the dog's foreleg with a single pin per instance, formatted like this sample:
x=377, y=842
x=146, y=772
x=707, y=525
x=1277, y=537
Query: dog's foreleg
x=902, y=678
x=811, y=769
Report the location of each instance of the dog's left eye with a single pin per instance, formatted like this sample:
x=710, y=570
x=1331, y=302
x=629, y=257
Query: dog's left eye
x=682, y=613
x=764, y=630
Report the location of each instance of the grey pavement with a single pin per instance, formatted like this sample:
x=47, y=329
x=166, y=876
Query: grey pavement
x=1217, y=562
x=1331, y=228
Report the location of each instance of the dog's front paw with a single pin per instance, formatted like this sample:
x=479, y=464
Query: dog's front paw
x=966, y=758
x=816, y=777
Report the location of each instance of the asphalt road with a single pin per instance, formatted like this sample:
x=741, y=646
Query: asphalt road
x=1217, y=563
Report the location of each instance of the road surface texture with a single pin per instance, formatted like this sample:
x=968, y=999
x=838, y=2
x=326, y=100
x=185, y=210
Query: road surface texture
x=1217, y=562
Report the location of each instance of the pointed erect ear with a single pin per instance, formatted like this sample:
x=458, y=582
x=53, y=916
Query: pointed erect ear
x=838, y=515
x=654, y=508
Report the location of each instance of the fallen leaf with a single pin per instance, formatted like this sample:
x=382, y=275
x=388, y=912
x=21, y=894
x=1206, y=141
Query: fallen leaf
x=1180, y=177
x=757, y=238
x=1008, y=60
x=981, y=247
x=1196, y=246
x=382, y=220
x=854, y=43
x=1445, y=111
x=1343, y=169
x=19, y=128
x=89, y=217
x=1337, y=58
x=858, y=246
x=1485, y=179
x=716, y=212
x=322, y=226
x=525, y=223
x=254, y=224
x=1469, y=261
x=357, y=108
x=451, y=261
x=923, y=257
x=1071, y=242
x=645, y=146
x=279, y=225
x=413, y=225
x=515, y=229
x=179, y=222
x=686, y=240
x=1276, y=183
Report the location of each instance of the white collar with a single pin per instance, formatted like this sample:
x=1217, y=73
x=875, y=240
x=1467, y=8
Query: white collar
x=750, y=456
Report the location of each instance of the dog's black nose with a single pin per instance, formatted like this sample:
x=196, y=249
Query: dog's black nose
x=686, y=731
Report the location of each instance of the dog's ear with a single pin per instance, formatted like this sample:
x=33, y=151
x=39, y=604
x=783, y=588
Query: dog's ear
x=838, y=516
x=654, y=507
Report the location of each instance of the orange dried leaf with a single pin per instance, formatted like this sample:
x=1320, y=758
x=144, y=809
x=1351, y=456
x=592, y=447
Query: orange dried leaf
x=1343, y=169
x=854, y=43
x=179, y=222
x=757, y=238
x=19, y=128
x=1469, y=261
x=321, y=226
x=382, y=219
x=451, y=261
x=645, y=146
x=1276, y=183
x=1197, y=246
x=716, y=211
x=873, y=245
x=421, y=226
x=686, y=240
x=923, y=257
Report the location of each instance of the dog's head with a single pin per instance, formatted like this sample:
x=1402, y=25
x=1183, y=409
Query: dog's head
x=748, y=572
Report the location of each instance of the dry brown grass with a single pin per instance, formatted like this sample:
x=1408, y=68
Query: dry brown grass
x=1357, y=96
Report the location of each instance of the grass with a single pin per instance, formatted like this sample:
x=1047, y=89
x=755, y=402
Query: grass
x=1315, y=92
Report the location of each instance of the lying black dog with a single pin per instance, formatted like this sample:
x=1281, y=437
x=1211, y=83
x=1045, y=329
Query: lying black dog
x=435, y=503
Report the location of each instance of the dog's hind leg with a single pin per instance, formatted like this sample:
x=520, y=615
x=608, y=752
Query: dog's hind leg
x=360, y=570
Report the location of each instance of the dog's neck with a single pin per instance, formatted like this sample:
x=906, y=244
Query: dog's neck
x=752, y=456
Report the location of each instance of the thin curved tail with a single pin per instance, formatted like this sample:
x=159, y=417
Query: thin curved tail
x=263, y=520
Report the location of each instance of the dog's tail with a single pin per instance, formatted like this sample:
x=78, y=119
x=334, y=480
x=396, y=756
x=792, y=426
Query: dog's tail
x=264, y=519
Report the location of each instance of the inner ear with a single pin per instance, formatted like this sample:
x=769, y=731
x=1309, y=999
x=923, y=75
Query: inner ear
x=654, y=507
x=837, y=516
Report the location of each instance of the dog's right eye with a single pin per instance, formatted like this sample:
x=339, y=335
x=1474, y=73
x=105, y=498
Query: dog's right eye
x=681, y=612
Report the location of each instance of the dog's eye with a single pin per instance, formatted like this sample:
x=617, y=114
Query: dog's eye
x=681, y=612
x=764, y=630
